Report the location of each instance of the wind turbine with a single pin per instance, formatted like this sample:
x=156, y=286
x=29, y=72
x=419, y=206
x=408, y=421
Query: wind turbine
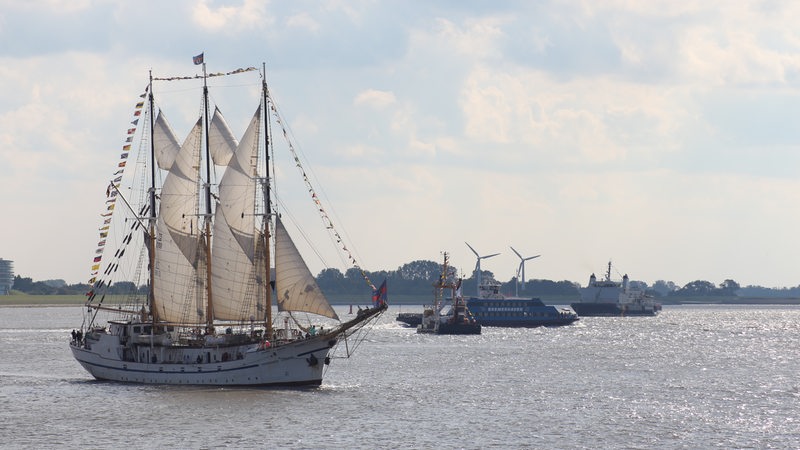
x=478, y=266
x=521, y=269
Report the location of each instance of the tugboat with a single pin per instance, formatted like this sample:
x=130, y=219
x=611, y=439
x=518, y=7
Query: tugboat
x=448, y=315
x=613, y=298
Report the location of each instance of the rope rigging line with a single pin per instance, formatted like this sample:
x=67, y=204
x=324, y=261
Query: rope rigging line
x=216, y=74
x=111, y=194
x=323, y=214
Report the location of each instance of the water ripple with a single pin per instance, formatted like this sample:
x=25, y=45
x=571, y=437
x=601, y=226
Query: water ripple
x=693, y=377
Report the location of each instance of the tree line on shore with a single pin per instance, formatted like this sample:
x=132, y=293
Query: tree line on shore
x=418, y=277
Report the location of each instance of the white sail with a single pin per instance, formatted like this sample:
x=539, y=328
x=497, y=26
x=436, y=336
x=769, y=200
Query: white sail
x=295, y=287
x=179, y=204
x=177, y=296
x=165, y=143
x=221, y=142
x=175, y=289
x=234, y=271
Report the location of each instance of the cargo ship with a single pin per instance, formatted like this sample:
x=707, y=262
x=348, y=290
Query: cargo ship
x=606, y=297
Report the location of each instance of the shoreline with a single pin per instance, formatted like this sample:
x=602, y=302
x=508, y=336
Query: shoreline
x=24, y=300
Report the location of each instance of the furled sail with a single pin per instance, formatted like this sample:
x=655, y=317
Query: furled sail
x=234, y=274
x=165, y=143
x=295, y=287
x=221, y=142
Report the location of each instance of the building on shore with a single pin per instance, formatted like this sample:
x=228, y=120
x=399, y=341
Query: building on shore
x=6, y=276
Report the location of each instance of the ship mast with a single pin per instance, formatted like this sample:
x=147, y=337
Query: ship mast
x=267, y=204
x=207, y=215
x=439, y=293
x=152, y=201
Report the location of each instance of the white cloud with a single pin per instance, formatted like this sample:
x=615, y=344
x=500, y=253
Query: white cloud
x=251, y=14
x=581, y=130
x=581, y=121
x=48, y=6
x=477, y=38
x=362, y=152
x=375, y=99
x=405, y=125
x=473, y=40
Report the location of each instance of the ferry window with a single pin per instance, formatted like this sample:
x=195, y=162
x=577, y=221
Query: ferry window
x=137, y=329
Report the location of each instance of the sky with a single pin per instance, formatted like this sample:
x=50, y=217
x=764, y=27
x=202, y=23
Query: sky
x=661, y=135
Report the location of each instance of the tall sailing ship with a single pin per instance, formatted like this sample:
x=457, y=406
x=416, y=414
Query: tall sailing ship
x=217, y=291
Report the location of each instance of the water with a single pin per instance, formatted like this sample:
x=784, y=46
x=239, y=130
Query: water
x=693, y=377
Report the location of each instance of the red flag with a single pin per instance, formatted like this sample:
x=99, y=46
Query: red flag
x=380, y=295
